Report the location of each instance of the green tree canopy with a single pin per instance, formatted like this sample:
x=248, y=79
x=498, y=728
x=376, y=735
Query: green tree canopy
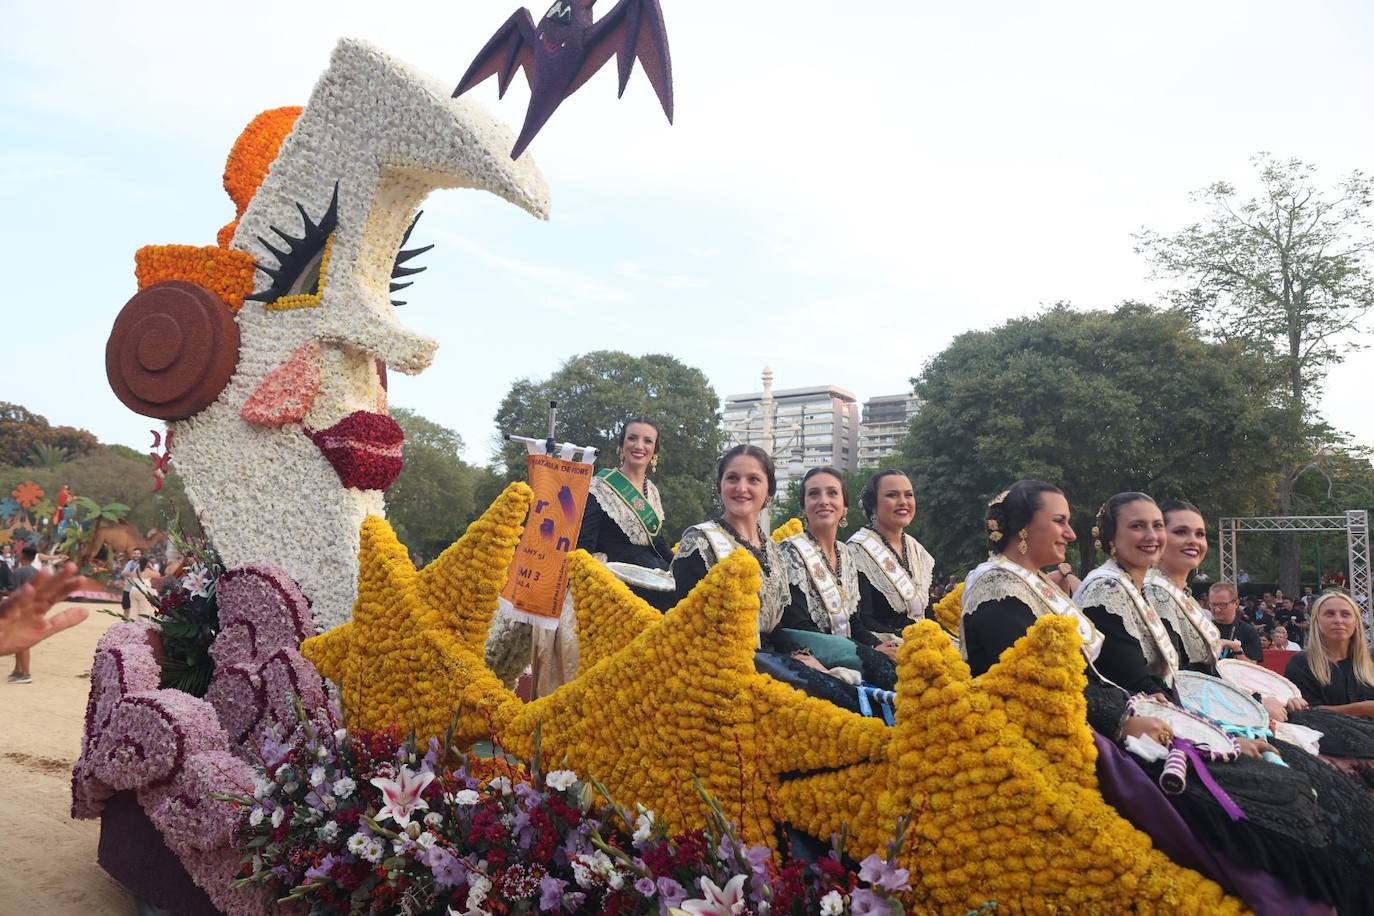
x=434, y=498
x=1289, y=272
x=113, y=475
x=598, y=391
x=24, y=434
x=1096, y=402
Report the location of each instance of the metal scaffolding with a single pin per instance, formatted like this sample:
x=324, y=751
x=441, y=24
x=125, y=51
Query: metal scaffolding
x=1355, y=524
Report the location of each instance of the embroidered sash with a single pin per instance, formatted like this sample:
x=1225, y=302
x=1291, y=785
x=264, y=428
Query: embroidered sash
x=826, y=584
x=631, y=496
x=721, y=543
x=871, y=542
x=1144, y=612
x=1200, y=621
x=1050, y=597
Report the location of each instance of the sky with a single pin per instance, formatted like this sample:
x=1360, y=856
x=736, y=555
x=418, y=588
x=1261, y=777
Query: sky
x=845, y=189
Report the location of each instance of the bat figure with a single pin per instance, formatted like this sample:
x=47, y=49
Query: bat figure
x=567, y=46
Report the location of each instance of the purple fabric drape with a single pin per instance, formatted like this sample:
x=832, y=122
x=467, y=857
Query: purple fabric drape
x=1131, y=791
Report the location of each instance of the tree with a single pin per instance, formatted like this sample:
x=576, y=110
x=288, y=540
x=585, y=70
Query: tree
x=49, y=457
x=113, y=476
x=1096, y=402
x=22, y=431
x=434, y=497
x=598, y=391
x=1288, y=273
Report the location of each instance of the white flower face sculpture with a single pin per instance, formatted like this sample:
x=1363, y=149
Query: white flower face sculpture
x=297, y=448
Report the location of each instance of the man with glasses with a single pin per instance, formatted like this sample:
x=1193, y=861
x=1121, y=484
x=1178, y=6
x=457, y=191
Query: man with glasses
x=1237, y=636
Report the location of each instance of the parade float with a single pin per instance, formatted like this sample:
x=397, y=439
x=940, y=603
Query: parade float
x=353, y=752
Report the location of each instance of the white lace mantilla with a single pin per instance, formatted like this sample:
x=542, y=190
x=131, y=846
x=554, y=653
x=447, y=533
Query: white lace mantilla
x=998, y=578
x=1111, y=588
x=1193, y=625
x=624, y=517
x=798, y=575
x=774, y=594
x=922, y=568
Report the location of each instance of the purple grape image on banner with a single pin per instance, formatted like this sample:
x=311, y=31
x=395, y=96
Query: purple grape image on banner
x=566, y=49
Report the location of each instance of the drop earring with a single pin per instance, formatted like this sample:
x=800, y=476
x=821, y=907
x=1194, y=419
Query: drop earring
x=1022, y=546
x=653, y=464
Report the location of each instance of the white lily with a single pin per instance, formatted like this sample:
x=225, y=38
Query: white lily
x=402, y=795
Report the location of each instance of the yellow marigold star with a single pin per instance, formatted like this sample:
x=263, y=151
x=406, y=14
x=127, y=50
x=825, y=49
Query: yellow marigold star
x=950, y=608
x=786, y=530
x=386, y=659
x=680, y=698
x=609, y=615
x=999, y=773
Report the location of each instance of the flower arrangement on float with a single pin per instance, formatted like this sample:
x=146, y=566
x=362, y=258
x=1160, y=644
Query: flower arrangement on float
x=950, y=608
x=348, y=822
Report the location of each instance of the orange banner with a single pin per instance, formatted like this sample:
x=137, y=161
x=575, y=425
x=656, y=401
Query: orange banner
x=539, y=573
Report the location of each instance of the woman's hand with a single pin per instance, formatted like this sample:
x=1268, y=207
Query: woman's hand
x=1297, y=704
x=889, y=649
x=1278, y=712
x=1232, y=644
x=809, y=660
x=1254, y=747
x=1147, y=727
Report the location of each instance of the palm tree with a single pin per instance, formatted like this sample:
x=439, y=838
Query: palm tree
x=48, y=457
x=114, y=513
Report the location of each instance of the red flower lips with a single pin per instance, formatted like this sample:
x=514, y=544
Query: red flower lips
x=364, y=448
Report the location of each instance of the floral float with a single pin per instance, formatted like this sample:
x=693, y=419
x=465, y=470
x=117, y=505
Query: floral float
x=266, y=353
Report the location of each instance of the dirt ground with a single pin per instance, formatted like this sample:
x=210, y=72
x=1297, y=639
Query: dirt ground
x=49, y=859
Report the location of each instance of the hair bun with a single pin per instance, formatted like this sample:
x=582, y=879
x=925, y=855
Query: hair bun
x=174, y=347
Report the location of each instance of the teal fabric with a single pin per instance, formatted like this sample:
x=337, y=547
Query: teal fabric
x=831, y=651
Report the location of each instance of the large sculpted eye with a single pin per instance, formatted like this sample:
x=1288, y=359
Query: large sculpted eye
x=399, y=270
x=298, y=278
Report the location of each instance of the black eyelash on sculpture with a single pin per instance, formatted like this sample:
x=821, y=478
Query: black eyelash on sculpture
x=296, y=257
x=405, y=254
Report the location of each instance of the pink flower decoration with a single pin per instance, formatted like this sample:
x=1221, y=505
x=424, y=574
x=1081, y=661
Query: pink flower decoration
x=716, y=901
x=289, y=390
x=401, y=796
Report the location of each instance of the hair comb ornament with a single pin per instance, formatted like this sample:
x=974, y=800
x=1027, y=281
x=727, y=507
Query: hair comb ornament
x=993, y=534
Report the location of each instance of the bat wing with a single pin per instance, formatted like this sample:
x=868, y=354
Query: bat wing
x=633, y=29
x=510, y=49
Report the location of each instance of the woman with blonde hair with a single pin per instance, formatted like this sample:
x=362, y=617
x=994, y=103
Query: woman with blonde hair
x=1335, y=669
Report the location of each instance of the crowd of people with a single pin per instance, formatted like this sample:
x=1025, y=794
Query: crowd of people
x=1289, y=827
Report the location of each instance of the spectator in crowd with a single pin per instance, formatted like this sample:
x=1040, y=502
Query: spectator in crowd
x=27, y=569
x=129, y=573
x=1338, y=579
x=1237, y=636
x=1242, y=578
x=1279, y=640
x=1264, y=616
x=1265, y=643
x=1307, y=598
x=1299, y=622
x=23, y=615
x=7, y=555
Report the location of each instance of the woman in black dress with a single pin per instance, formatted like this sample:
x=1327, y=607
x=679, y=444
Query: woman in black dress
x=745, y=481
x=1335, y=671
x=823, y=584
x=894, y=569
x=1346, y=741
x=623, y=521
x=1284, y=832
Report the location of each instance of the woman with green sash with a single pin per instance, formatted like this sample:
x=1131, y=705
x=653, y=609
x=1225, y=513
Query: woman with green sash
x=623, y=521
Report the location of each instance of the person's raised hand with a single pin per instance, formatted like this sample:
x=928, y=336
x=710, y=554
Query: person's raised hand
x=24, y=620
